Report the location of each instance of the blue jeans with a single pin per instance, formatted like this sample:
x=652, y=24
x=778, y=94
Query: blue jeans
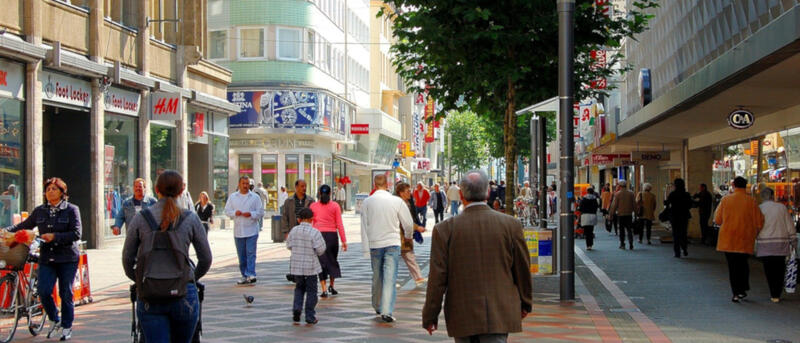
x=174, y=321
x=65, y=273
x=246, y=250
x=454, y=208
x=306, y=285
x=422, y=212
x=384, y=276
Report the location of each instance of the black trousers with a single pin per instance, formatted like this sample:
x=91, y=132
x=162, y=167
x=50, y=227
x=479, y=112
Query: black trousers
x=647, y=228
x=774, y=269
x=625, y=228
x=739, y=271
x=680, y=241
x=588, y=232
x=438, y=215
x=705, y=230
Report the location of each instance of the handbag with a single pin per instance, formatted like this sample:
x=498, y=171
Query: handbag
x=665, y=214
x=790, y=280
x=588, y=219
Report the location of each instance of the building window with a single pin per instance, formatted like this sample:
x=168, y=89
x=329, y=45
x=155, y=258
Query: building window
x=246, y=165
x=269, y=178
x=310, y=47
x=290, y=171
x=125, y=12
x=251, y=43
x=121, y=141
x=289, y=43
x=162, y=151
x=220, y=172
x=218, y=45
x=12, y=168
x=307, y=173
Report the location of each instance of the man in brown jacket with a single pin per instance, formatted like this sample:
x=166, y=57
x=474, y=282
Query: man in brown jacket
x=480, y=260
x=622, y=207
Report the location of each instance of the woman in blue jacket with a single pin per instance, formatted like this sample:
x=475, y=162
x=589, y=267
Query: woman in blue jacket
x=59, y=224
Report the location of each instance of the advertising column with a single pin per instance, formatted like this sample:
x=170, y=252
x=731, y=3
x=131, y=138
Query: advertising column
x=12, y=140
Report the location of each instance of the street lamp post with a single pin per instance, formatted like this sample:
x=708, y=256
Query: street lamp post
x=566, y=46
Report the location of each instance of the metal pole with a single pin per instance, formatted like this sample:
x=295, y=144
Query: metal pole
x=542, y=181
x=449, y=157
x=534, y=141
x=566, y=45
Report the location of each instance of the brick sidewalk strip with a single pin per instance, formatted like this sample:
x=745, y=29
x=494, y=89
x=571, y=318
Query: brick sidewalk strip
x=347, y=317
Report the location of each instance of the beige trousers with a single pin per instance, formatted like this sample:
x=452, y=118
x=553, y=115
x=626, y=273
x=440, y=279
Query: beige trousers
x=411, y=262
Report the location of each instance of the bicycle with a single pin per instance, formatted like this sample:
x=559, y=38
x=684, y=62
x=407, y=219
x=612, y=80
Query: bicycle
x=19, y=296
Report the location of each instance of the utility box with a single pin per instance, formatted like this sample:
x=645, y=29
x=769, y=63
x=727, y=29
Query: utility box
x=277, y=236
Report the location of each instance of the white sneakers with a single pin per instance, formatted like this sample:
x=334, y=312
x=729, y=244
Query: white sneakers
x=66, y=334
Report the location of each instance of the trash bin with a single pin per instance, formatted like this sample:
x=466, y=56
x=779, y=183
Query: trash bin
x=277, y=236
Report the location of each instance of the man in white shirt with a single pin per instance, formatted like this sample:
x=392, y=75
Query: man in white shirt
x=381, y=216
x=245, y=208
x=340, y=196
x=454, y=195
x=282, y=196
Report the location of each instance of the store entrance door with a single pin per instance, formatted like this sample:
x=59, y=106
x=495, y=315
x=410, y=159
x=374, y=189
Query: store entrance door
x=65, y=138
x=199, y=178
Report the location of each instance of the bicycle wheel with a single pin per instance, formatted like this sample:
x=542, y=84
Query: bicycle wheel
x=9, y=307
x=36, y=315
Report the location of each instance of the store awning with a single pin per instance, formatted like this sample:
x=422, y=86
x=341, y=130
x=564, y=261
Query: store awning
x=214, y=103
x=403, y=171
x=549, y=105
x=354, y=161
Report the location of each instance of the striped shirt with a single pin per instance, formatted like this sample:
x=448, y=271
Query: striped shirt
x=306, y=244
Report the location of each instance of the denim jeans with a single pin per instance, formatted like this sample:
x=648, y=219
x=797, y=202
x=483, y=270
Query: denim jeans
x=246, y=250
x=454, y=208
x=384, y=276
x=422, y=213
x=65, y=273
x=173, y=321
x=306, y=285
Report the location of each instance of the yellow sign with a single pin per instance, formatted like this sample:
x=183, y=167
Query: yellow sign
x=608, y=138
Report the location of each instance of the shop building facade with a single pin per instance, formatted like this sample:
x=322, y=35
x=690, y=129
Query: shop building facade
x=113, y=92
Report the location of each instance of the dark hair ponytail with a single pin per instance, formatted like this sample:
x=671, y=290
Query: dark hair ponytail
x=169, y=185
x=325, y=194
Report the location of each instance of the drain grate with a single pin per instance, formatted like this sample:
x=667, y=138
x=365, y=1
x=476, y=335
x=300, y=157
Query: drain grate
x=626, y=310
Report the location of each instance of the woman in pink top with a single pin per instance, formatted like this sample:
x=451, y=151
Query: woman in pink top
x=328, y=220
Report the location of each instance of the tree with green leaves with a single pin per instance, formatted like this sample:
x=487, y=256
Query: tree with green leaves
x=469, y=144
x=495, y=55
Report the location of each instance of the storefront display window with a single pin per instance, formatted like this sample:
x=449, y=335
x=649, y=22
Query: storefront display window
x=312, y=187
x=290, y=170
x=12, y=173
x=162, y=150
x=121, y=158
x=246, y=165
x=220, y=172
x=269, y=178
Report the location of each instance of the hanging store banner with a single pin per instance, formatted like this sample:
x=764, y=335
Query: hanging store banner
x=166, y=106
x=359, y=129
x=417, y=129
x=430, y=113
x=12, y=78
x=122, y=101
x=66, y=90
x=600, y=62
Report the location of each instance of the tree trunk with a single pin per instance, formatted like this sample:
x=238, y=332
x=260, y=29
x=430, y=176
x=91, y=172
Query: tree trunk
x=510, y=142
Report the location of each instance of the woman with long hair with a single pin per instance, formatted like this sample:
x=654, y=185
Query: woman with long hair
x=59, y=224
x=403, y=190
x=205, y=210
x=168, y=320
x=328, y=220
x=680, y=202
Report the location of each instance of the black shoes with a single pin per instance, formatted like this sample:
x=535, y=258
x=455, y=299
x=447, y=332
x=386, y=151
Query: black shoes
x=312, y=321
x=622, y=246
x=685, y=253
x=296, y=316
x=387, y=318
x=332, y=291
x=323, y=295
x=630, y=246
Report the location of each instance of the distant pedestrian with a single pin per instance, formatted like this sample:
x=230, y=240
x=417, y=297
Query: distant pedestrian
x=588, y=208
x=679, y=202
x=622, y=208
x=245, y=208
x=498, y=278
x=421, y=198
x=340, y=196
x=205, y=210
x=282, y=196
x=438, y=203
x=646, y=211
x=132, y=206
x=263, y=194
x=454, y=196
x=328, y=220
x=525, y=191
x=775, y=242
x=306, y=244
x=403, y=190
x=493, y=193
x=703, y=201
x=185, y=200
x=605, y=204
x=740, y=221
x=501, y=192
x=382, y=215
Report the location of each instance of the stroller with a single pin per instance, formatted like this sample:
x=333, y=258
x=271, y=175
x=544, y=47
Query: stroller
x=137, y=335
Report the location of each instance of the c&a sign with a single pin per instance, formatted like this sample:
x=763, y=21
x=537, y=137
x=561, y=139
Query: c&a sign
x=166, y=106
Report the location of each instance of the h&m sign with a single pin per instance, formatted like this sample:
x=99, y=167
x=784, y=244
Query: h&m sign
x=166, y=106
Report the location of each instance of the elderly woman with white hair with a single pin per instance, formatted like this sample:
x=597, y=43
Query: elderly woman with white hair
x=775, y=241
x=646, y=211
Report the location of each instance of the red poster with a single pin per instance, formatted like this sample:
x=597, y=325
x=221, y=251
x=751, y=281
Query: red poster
x=109, y=163
x=430, y=113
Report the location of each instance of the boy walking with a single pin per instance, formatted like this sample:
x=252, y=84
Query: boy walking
x=306, y=244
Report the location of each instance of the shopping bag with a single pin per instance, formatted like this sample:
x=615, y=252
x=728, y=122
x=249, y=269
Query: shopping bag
x=790, y=280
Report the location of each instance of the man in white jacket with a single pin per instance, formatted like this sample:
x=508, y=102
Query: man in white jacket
x=245, y=208
x=381, y=216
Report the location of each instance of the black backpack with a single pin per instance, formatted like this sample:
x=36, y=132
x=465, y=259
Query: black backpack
x=153, y=286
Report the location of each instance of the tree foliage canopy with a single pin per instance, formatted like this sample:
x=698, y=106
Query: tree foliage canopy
x=469, y=141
